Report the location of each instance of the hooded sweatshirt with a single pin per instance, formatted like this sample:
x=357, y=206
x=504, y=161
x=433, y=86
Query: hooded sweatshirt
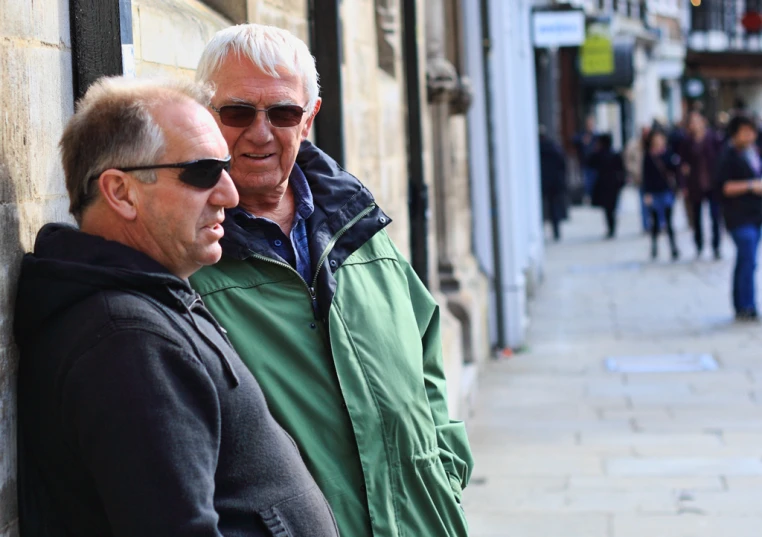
x=136, y=416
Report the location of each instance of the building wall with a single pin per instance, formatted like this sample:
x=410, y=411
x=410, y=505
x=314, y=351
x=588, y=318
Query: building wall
x=36, y=96
x=170, y=35
x=374, y=117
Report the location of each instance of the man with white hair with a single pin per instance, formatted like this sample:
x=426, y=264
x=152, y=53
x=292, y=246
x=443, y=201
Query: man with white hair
x=136, y=416
x=326, y=312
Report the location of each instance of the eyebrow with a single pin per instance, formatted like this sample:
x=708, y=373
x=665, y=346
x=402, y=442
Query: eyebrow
x=238, y=100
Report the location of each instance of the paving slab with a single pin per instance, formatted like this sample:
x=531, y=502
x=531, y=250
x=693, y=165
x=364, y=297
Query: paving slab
x=564, y=448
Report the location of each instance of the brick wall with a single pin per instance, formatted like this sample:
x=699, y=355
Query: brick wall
x=35, y=102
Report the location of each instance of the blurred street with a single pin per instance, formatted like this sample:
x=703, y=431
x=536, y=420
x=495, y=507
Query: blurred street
x=565, y=448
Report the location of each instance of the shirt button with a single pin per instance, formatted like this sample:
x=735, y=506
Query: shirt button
x=313, y=325
x=278, y=243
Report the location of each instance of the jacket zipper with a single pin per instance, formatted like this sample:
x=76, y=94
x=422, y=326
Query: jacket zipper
x=321, y=260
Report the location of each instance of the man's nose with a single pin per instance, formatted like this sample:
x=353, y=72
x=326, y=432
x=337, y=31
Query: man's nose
x=225, y=193
x=260, y=129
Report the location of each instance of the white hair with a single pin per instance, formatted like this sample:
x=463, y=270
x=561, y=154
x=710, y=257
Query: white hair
x=268, y=48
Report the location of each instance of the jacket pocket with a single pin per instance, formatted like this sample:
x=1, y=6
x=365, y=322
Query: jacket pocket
x=306, y=514
x=433, y=510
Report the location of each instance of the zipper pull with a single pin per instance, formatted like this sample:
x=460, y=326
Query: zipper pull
x=315, y=310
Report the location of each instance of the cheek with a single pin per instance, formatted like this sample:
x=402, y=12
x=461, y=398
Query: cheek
x=231, y=137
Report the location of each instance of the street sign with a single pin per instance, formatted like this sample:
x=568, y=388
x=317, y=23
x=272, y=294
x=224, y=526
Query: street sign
x=555, y=28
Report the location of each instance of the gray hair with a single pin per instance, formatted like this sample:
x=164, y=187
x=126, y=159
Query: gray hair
x=268, y=48
x=113, y=128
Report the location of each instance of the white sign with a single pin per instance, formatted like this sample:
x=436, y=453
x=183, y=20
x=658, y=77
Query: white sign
x=558, y=28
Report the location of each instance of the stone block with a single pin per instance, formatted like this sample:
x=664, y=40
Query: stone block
x=562, y=464
x=618, y=484
x=29, y=130
x=45, y=21
x=683, y=466
x=8, y=503
x=174, y=33
x=685, y=525
x=540, y=525
x=11, y=530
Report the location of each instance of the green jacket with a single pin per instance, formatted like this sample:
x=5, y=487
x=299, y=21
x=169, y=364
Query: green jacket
x=350, y=363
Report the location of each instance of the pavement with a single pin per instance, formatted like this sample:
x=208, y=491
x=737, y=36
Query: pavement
x=566, y=448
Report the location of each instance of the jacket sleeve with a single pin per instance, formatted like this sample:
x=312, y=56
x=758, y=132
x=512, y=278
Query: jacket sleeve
x=452, y=440
x=145, y=418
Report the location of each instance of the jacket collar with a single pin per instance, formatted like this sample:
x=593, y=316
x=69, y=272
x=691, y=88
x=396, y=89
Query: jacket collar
x=337, y=196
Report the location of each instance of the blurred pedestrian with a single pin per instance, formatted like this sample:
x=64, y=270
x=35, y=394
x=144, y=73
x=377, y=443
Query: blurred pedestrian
x=698, y=155
x=633, y=163
x=738, y=177
x=553, y=178
x=585, y=144
x=609, y=169
x=659, y=185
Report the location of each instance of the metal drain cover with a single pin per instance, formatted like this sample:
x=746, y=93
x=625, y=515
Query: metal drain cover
x=662, y=363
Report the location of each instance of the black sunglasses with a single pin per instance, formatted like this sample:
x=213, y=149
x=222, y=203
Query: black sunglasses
x=202, y=173
x=242, y=115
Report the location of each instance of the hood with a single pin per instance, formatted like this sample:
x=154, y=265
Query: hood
x=69, y=266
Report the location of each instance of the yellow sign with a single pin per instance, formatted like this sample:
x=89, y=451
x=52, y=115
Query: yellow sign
x=597, y=56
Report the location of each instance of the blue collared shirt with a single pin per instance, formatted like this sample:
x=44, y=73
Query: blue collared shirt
x=293, y=248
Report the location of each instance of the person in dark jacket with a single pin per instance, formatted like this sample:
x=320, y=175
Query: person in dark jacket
x=698, y=155
x=659, y=184
x=609, y=168
x=553, y=181
x=738, y=178
x=136, y=416
x=585, y=143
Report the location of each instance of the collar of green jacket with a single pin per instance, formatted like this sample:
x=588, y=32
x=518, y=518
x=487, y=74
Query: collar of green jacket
x=345, y=217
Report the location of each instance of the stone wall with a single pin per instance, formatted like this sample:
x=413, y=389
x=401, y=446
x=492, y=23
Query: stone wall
x=170, y=35
x=374, y=117
x=37, y=98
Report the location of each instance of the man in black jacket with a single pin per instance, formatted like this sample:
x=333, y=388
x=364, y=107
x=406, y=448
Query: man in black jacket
x=738, y=177
x=136, y=416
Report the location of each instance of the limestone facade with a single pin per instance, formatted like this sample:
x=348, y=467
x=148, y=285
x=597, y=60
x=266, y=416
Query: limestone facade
x=37, y=98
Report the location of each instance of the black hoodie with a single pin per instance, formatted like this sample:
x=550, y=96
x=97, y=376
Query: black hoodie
x=136, y=416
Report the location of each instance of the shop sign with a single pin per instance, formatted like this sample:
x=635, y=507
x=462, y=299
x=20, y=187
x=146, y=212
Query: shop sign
x=597, y=51
x=551, y=29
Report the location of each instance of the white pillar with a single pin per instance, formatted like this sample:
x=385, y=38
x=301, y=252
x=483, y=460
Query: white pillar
x=515, y=157
x=478, y=147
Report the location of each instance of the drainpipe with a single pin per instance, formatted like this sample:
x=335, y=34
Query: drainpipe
x=418, y=193
x=326, y=45
x=95, y=41
x=498, y=266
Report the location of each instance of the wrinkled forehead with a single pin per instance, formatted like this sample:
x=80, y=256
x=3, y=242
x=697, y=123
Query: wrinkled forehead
x=276, y=66
x=189, y=128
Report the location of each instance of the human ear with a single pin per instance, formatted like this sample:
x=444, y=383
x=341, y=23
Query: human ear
x=308, y=124
x=119, y=192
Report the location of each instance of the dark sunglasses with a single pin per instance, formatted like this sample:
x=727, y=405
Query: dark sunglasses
x=202, y=173
x=242, y=115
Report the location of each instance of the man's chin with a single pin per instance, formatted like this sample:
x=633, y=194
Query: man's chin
x=257, y=186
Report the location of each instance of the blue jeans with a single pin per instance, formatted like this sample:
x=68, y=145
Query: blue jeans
x=746, y=238
x=590, y=177
x=645, y=213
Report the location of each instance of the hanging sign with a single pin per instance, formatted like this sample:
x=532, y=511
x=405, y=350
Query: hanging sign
x=597, y=52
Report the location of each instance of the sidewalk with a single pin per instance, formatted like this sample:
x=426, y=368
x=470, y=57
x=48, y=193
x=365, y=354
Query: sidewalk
x=565, y=448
